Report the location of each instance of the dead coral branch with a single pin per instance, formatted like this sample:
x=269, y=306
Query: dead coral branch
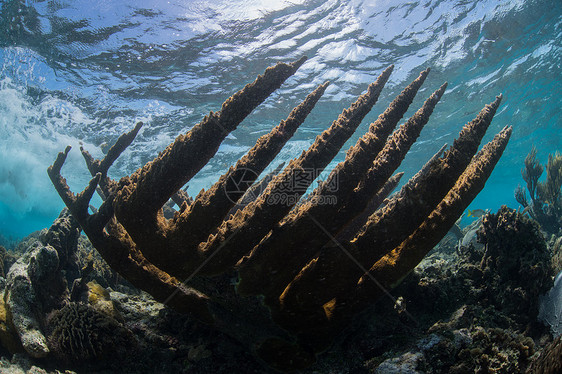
x=313, y=261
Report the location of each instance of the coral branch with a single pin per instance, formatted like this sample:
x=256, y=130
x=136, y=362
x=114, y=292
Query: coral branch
x=388, y=227
x=321, y=275
x=313, y=221
x=390, y=269
x=120, y=252
x=59, y=182
x=256, y=189
x=271, y=255
x=181, y=197
x=248, y=227
x=358, y=222
x=102, y=166
x=349, y=231
x=210, y=208
x=338, y=254
x=414, y=202
x=145, y=192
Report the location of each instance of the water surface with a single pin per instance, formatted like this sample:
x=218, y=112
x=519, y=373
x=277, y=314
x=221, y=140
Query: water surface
x=81, y=72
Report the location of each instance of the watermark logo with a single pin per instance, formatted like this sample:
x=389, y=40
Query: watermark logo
x=239, y=183
x=288, y=192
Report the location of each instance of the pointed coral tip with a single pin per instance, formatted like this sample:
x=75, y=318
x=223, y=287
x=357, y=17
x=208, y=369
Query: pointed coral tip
x=442, y=89
x=296, y=64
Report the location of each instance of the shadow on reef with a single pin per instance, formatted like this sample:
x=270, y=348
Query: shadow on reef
x=283, y=278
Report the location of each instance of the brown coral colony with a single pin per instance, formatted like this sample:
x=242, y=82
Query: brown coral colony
x=312, y=263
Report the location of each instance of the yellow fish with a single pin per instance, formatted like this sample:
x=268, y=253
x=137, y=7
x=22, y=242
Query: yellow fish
x=476, y=213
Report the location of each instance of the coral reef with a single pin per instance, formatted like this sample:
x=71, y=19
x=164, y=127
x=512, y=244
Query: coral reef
x=19, y=364
x=36, y=286
x=509, y=273
x=516, y=264
x=494, y=350
x=462, y=351
x=472, y=316
x=315, y=265
x=443, y=320
x=546, y=202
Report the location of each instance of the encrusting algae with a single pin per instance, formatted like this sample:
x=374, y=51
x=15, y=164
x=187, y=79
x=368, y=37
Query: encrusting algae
x=301, y=272
x=8, y=336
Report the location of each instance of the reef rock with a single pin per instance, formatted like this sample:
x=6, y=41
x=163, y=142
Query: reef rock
x=21, y=299
x=35, y=284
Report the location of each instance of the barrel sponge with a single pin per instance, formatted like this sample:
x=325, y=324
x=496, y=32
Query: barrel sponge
x=79, y=334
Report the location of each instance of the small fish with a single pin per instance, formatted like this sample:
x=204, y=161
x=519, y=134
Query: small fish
x=476, y=213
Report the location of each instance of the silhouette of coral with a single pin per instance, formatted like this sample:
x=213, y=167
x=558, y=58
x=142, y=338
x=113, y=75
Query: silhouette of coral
x=546, y=197
x=550, y=190
x=303, y=269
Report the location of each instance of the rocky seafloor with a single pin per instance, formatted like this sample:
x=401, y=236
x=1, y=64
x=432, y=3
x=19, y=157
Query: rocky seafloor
x=471, y=306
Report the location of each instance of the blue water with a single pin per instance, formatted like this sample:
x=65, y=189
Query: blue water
x=82, y=72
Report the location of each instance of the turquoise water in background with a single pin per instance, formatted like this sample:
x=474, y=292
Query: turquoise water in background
x=80, y=72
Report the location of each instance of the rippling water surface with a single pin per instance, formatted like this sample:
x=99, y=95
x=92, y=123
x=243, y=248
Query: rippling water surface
x=82, y=72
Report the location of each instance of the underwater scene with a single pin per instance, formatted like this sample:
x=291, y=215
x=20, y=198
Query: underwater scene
x=245, y=186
